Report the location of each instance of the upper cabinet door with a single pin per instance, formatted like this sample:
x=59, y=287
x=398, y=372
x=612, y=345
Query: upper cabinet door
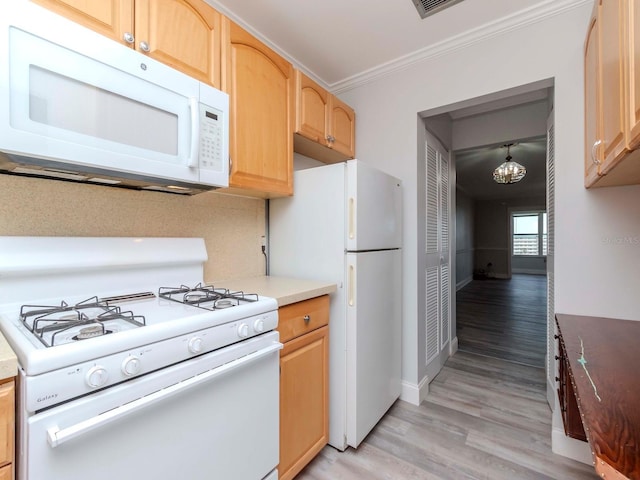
x=342, y=128
x=260, y=87
x=112, y=18
x=634, y=74
x=612, y=95
x=593, y=154
x=184, y=34
x=612, y=33
x=325, y=126
x=312, y=109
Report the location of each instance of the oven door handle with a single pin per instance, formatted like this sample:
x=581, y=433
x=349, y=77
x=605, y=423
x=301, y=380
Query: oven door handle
x=57, y=436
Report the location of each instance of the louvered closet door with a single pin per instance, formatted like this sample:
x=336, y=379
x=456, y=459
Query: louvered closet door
x=438, y=271
x=551, y=322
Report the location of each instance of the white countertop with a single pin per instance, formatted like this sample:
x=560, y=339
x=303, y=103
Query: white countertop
x=285, y=290
x=8, y=360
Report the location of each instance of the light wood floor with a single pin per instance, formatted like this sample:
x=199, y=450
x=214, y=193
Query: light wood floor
x=504, y=318
x=483, y=418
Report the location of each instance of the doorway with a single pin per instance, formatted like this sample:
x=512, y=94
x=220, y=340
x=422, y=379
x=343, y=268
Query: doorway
x=475, y=133
x=501, y=302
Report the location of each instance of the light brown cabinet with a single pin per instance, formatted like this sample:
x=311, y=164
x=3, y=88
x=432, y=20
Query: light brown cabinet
x=325, y=126
x=304, y=376
x=184, y=34
x=112, y=18
x=260, y=87
x=612, y=95
x=6, y=473
x=7, y=428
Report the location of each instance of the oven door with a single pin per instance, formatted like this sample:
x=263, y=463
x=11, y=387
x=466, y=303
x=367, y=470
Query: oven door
x=212, y=417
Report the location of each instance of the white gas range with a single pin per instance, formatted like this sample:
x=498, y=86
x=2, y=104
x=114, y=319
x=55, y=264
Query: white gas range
x=125, y=354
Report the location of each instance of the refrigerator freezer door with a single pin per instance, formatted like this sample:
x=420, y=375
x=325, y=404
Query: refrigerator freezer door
x=374, y=208
x=373, y=339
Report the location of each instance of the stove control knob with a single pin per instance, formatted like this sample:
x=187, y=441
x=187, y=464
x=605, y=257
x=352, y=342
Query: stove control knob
x=131, y=366
x=195, y=345
x=243, y=330
x=258, y=325
x=97, y=376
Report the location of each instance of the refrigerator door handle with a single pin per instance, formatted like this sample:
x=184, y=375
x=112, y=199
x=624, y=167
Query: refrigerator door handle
x=352, y=233
x=351, y=294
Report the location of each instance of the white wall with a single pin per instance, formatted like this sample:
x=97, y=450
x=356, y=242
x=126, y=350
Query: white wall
x=491, y=244
x=493, y=230
x=464, y=238
x=535, y=265
x=596, y=272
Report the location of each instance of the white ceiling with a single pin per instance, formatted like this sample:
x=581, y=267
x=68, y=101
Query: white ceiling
x=338, y=40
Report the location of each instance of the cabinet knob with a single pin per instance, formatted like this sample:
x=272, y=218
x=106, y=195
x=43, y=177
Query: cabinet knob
x=331, y=138
x=557, y=379
x=557, y=357
x=307, y=319
x=128, y=37
x=556, y=337
x=594, y=150
x=144, y=46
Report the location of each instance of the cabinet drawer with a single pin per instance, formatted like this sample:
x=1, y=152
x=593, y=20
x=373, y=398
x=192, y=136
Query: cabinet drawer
x=302, y=317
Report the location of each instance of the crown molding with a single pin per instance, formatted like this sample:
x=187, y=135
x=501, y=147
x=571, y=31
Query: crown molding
x=529, y=16
x=273, y=46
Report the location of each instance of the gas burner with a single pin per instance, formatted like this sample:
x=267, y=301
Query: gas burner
x=92, y=332
x=206, y=296
x=64, y=323
x=224, y=303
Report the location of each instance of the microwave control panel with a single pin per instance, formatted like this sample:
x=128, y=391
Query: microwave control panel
x=211, y=127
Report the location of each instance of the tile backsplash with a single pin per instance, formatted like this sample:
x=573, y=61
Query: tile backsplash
x=230, y=225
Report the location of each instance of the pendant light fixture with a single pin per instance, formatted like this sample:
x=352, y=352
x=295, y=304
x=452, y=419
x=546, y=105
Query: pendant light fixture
x=509, y=172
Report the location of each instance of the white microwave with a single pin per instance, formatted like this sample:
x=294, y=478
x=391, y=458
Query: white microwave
x=77, y=106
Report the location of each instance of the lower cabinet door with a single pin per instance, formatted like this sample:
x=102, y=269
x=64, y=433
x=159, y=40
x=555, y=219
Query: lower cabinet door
x=304, y=418
x=7, y=427
x=6, y=472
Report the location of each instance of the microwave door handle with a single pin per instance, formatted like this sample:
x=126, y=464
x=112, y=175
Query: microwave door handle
x=194, y=108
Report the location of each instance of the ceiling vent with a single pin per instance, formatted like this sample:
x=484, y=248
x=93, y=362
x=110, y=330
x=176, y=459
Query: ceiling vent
x=429, y=7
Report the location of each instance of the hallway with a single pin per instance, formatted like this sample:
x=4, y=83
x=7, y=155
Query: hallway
x=504, y=318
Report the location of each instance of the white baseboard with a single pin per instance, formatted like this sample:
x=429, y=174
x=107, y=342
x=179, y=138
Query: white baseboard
x=570, y=447
x=463, y=283
x=454, y=346
x=567, y=446
x=414, y=394
x=502, y=276
x=551, y=395
x=529, y=271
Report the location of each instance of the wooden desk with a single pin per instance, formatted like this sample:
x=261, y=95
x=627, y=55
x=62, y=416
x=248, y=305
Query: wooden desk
x=604, y=359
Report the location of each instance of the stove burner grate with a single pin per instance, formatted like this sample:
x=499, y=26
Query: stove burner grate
x=206, y=296
x=89, y=316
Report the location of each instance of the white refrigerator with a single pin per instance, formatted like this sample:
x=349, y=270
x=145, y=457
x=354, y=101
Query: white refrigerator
x=344, y=225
